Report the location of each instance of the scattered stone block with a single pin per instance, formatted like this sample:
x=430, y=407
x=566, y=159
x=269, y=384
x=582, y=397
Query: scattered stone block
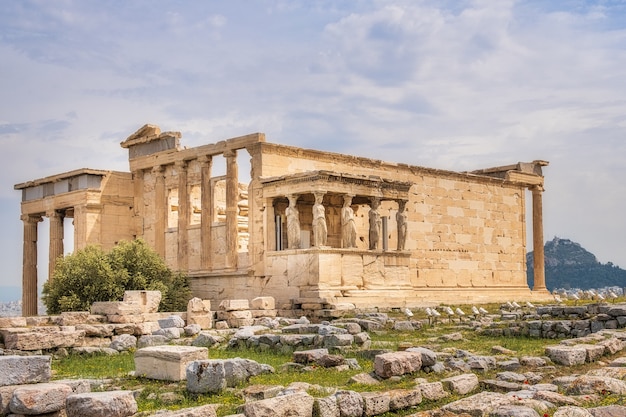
x=429, y=358
x=432, y=391
x=171, y=321
x=8, y=322
x=208, y=410
x=326, y=407
x=234, y=305
x=594, y=352
x=350, y=403
x=199, y=312
x=478, y=404
x=167, y=362
x=567, y=355
x=40, y=338
x=612, y=345
x=18, y=370
x=101, y=404
x=147, y=300
x=71, y=318
x=514, y=411
x=364, y=379
x=391, y=364
x=213, y=375
x=586, y=384
x=115, y=308
x=263, y=303
x=39, y=398
x=375, y=403
x=461, y=384
x=309, y=356
x=123, y=342
x=298, y=404
x=400, y=399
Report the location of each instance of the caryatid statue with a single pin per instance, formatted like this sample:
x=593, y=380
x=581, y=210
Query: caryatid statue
x=401, y=224
x=320, y=230
x=374, y=218
x=293, y=223
x=348, y=226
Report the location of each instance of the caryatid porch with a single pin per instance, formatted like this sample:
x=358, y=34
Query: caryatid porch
x=352, y=250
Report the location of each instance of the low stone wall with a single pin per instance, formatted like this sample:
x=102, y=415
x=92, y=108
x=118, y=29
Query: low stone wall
x=560, y=322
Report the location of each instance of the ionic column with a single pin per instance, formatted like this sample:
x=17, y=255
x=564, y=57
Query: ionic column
x=29, y=266
x=56, y=240
x=232, y=208
x=206, y=211
x=183, y=216
x=160, y=210
x=539, y=278
x=138, y=202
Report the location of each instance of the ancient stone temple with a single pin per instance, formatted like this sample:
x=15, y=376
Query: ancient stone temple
x=305, y=224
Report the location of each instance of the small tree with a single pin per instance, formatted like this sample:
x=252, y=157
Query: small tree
x=91, y=275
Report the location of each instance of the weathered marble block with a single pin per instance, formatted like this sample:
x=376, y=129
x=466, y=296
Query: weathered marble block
x=148, y=300
x=112, y=308
x=167, y=362
x=36, y=399
x=17, y=370
x=233, y=305
x=101, y=404
x=567, y=355
x=263, y=303
x=397, y=363
x=42, y=338
x=299, y=404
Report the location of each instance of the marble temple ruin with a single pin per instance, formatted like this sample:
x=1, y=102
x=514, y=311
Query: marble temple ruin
x=303, y=224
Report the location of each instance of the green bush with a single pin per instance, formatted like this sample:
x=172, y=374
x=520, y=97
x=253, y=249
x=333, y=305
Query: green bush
x=91, y=275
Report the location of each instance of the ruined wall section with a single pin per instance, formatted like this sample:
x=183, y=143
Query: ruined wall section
x=464, y=230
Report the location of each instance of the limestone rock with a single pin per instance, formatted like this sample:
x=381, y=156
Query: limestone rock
x=326, y=407
x=171, y=321
x=375, y=403
x=432, y=391
x=263, y=303
x=298, y=404
x=567, y=355
x=350, y=403
x=123, y=342
x=309, y=356
x=147, y=300
x=24, y=369
x=208, y=410
x=478, y=404
x=400, y=399
x=586, y=384
x=429, y=358
x=571, y=411
x=391, y=364
x=608, y=411
x=49, y=337
x=101, y=404
x=39, y=398
x=461, y=384
x=212, y=376
x=513, y=411
x=234, y=305
x=555, y=398
x=612, y=345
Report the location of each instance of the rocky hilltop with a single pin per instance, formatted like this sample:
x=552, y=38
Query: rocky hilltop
x=569, y=265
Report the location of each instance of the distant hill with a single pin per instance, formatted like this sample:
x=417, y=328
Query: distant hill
x=569, y=265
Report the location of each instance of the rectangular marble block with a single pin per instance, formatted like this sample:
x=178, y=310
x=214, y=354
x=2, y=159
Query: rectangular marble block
x=167, y=363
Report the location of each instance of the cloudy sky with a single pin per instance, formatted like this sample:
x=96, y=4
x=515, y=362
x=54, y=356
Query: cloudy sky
x=456, y=85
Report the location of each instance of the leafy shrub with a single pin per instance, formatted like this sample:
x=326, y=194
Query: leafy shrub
x=91, y=275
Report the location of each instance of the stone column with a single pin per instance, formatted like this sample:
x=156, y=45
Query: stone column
x=539, y=279
x=375, y=223
x=29, y=266
x=183, y=216
x=160, y=210
x=320, y=229
x=56, y=239
x=232, y=207
x=138, y=203
x=206, y=211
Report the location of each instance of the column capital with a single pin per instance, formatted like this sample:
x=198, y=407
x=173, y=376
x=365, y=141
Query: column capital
x=55, y=213
x=159, y=169
x=205, y=159
x=230, y=153
x=31, y=218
